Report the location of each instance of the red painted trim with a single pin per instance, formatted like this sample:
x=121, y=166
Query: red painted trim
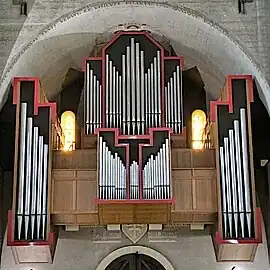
x=258, y=240
x=134, y=33
x=12, y=242
x=170, y=201
x=229, y=101
x=89, y=59
x=37, y=105
x=180, y=58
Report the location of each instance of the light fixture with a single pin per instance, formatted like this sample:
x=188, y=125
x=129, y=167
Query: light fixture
x=198, y=122
x=68, y=124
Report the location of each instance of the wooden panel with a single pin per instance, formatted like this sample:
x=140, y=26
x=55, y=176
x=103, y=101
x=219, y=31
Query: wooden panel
x=61, y=219
x=116, y=214
x=205, y=194
x=78, y=159
x=181, y=158
x=236, y=252
x=86, y=193
x=152, y=213
x=203, y=158
x=182, y=192
x=88, y=219
x=63, y=200
x=89, y=141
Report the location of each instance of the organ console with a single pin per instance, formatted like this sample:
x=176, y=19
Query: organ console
x=134, y=165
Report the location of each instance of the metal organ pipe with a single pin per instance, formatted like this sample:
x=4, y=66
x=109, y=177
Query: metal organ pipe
x=107, y=90
x=239, y=176
x=244, y=141
x=44, y=189
x=228, y=184
x=128, y=95
x=233, y=177
x=143, y=91
x=28, y=174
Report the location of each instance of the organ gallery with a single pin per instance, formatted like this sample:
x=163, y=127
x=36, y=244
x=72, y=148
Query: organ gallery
x=148, y=152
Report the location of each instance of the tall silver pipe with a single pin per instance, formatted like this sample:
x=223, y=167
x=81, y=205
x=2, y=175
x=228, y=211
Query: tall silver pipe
x=143, y=91
x=98, y=118
x=44, y=189
x=239, y=176
x=244, y=141
x=124, y=89
x=104, y=171
x=223, y=185
x=34, y=180
x=128, y=95
x=152, y=95
x=149, y=98
x=91, y=81
x=39, y=182
x=155, y=77
x=87, y=99
x=166, y=106
x=107, y=90
x=159, y=88
x=100, y=167
x=113, y=97
x=28, y=174
x=233, y=177
x=228, y=183
x=120, y=102
x=21, y=166
x=138, y=88
x=133, y=85
x=180, y=98
x=175, y=102
x=117, y=99
x=170, y=105
x=111, y=93
x=168, y=168
x=94, y=104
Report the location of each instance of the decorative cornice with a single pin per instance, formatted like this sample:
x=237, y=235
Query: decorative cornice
x=104, y=5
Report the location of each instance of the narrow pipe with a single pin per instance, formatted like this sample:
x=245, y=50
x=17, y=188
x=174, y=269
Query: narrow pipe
x=28, y=173
x=133, y=85
x=91, y=81
x=138, y=89
x=233, y=177
x=100, y=167
x=113, y=97
x=94, y=104
x=159, y=95
x=128, y=78
x=87, y=100
x=44, y=189
x=153, y=124
x=143, y=92
x=107, y=90
x=175, y=105
x=111, y=94
x=155, y=78
x=223, y=186
x=239, y=177
x=228, y=183
x=39, y=183
x=117, y=99
x=98, y=104
x=244, y=141
x=124, y=89
x=34, y=180
x=179, y=98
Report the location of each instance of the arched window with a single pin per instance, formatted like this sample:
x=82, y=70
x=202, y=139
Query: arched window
x=68, y=125
x=198, y=124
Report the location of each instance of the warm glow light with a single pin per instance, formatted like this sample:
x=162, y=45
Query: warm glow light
x=198, y=124
x=68, y=126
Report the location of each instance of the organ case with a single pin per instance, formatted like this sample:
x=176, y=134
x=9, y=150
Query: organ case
x=30, y=233
x=239, y=222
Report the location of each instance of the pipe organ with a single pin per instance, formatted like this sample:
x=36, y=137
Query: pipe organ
x=133, y=165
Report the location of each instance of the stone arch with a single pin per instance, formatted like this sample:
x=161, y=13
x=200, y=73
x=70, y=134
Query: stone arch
x=178, y=24
x=133, y=249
